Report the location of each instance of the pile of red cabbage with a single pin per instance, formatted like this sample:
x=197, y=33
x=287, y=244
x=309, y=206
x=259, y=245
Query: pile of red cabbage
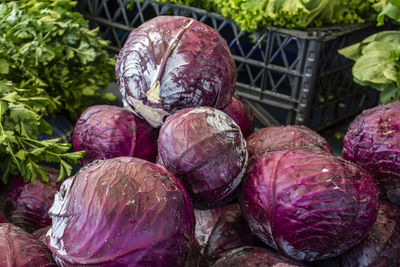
x=373, y=142
x=294, y=196
x=204, y=148
x=172, y=62
x=110, y=131
x=121, y=211
x=308, y=205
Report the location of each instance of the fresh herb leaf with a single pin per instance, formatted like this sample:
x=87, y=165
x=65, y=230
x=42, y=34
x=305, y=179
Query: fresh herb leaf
x=45, y=45
x=21, y=120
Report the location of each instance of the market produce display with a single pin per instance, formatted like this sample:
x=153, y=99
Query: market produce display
x=26, y=204
x=204, y=148
x=307, y=205
x=18, y=248
x=373, y=142
x=122, y=212
x=110, y=131
x=242, y=114
x=278, y=198
x=289, y=136
x=172, y=62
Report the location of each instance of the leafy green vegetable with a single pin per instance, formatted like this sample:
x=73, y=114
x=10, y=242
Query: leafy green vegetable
x=21, y=120
x=253, y=14
x=389, y=8
x=377, y=58
x=44, y=44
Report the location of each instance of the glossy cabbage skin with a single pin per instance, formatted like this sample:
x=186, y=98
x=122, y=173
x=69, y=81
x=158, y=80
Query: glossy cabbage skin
x=220, y=230
x=27, y=204
x=231, y=231
x=204, y=148
x=205, y=223
x=110, y=131
x=289, y=136
x=254, y=256
x=121, y=212
x=373, y=142
x=18, y=248
x=381, y=247
x=308, y=205
x=242, y=114
x=172, y=62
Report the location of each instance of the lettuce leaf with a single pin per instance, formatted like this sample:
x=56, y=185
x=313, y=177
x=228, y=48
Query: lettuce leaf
x=377, y=63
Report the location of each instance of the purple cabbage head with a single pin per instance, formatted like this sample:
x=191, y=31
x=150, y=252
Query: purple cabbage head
x=119, y=212
x=373, y=142
x=173, y=62
x=205, y=148
x=381, y=247
x=308, y=205
x=27, y=204
x=242, y=114
x=19, y=248
x=254, y=256
x=281, y=137
x=110, y=131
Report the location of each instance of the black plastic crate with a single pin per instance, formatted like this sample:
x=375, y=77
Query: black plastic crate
x=287, y=76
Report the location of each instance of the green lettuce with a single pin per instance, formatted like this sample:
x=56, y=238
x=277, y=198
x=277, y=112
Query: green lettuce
x=377, y=62
x=254, y=14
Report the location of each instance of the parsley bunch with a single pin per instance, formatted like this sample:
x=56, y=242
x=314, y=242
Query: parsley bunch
x=21, y=120
x=44, y=44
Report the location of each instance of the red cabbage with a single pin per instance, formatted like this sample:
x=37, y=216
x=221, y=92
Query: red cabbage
x=254, y=256
x=205, y=223
x=27, y=204
x=109, y=131
x=373, y=142
x=308, y=205
x=230, y=231
x=18, y=248
x=121, y=211
x=242, y=114
x=290, y=136
x=381, y=247
x=205, y=148
x=172, y=62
